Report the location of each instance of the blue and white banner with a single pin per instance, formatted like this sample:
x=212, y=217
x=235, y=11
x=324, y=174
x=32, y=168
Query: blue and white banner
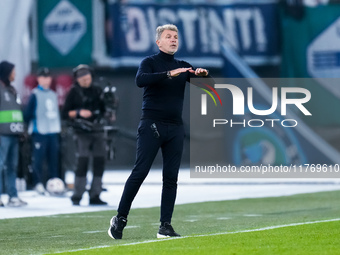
x=252, y=29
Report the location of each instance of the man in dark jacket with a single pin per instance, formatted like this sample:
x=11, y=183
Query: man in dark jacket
x=163, y=79
x=84, y=108
x=11, y=127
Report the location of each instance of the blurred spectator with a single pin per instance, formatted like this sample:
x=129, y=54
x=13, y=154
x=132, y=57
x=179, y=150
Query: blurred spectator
x=84, y=107
x=42, y=114
x=11, y=128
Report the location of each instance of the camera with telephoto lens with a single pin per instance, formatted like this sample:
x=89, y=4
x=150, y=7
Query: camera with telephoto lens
x=110, y=100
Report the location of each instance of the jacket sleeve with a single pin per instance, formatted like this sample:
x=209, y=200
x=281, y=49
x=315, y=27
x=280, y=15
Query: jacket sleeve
x=145, y=75
x=30, y=108
x=68, y=105
x=207, y=80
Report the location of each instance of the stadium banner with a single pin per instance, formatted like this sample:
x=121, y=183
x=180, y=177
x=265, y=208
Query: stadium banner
x=252, y=128
x=64, y=32
x=251, y=27
x=311, y=48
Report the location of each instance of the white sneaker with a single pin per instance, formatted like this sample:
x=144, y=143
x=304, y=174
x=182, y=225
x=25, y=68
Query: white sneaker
x=40, y=189
x=16, y=202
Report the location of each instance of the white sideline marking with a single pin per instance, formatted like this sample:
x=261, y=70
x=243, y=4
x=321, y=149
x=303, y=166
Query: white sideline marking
x=223, y=218
x=132, y=227
x=95, y=231
x=215, y=234
x=74, y=216
x=252, y=215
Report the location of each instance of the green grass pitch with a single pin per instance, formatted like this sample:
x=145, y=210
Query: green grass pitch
x=246, y=226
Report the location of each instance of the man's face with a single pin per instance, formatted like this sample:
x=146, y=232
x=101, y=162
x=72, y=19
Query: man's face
x=85, y=81
x=168, y=42
x=45, y=81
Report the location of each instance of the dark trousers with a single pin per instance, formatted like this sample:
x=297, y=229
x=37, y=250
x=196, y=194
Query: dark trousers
x=89, y=144
x=171, y=143
x=45, y=147
x=9, y=163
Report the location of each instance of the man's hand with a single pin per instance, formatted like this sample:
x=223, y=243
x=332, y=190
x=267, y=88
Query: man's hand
x=85, y=113
x=82, y=113
x=178, y=71
x=199, y=72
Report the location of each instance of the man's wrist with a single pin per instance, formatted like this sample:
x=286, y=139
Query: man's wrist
x=168, y=74
x=78, y=113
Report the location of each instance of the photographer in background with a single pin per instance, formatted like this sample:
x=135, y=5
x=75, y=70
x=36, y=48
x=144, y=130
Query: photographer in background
x=84, y=108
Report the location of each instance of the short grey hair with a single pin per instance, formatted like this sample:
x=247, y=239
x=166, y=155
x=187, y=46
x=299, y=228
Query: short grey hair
x=160, y=30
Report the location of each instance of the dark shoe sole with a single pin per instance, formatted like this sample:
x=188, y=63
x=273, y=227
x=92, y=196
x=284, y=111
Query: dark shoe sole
x=98, y=204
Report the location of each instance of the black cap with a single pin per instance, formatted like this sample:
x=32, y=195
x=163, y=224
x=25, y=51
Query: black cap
x=81, y=70
x=44, y=71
